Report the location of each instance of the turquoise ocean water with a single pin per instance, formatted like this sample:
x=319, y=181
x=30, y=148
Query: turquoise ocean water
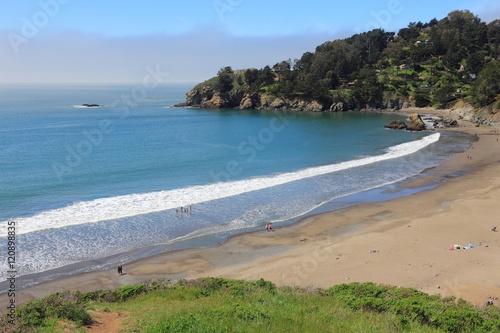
x=84, y=184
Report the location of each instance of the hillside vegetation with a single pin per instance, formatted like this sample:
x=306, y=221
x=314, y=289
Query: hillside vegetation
x=222, y=305
x=425, y=64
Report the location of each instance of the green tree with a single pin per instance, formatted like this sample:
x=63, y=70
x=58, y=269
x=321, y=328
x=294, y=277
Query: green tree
x=475, y=62
x=267, y=76
x=494, y=38
x=396, y=52
x=367, y=90
x=487, y=85
x=410, y=34
x=239, y=80
x=252, y=79
x=422, y=98
x=225, y=79
x=443, y=95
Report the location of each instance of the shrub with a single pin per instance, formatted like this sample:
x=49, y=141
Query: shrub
x=59, y=306
x=123, y=293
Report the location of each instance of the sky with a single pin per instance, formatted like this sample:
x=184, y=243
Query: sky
x=122, y=41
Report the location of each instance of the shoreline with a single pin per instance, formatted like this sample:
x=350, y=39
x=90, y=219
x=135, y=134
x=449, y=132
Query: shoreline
x=344, y=246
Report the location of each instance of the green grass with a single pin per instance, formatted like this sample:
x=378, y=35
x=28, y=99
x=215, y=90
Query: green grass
x=222, y=305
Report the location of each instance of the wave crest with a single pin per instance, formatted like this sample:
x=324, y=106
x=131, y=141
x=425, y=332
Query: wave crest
x=137, y=204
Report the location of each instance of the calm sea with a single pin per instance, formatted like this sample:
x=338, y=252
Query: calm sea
x=89, y=183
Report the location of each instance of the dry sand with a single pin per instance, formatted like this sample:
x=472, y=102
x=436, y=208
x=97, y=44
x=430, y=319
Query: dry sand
x=402, y=242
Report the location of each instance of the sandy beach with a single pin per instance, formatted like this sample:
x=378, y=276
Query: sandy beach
x=402, y=242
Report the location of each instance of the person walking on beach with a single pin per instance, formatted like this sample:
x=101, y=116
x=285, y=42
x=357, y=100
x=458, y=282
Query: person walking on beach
x=267, y=226
x=270, y=227
x=120, y=269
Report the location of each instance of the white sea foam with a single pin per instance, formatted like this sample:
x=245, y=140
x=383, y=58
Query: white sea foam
x=137, y=204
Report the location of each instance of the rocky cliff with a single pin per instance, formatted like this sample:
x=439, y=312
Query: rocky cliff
x=208, y=97
x=205, y=96
x=489, y=115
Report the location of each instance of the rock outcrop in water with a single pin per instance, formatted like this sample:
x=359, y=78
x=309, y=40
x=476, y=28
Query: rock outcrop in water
x=416, y=123
x=396, y=124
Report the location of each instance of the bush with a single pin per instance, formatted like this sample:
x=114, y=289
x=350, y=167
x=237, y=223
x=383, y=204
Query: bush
x=31, y=314
x=456, y=319
x=126, y=292
x=65, y=305
x=410, y=305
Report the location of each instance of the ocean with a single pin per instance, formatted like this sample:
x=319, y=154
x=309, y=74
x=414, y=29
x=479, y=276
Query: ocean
x=89, y=187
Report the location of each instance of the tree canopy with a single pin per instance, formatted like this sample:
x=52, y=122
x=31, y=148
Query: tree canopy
x=433, y=63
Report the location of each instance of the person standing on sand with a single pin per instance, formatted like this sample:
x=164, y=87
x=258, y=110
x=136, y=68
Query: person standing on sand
x=120, y=269
x=270, y=227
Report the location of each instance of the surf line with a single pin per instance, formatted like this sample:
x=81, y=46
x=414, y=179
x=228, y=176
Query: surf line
x=105, y=209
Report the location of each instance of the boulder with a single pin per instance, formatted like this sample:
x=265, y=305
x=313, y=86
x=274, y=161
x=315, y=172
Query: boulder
x=416, y=123
x=396, y=124
x=438, y=123
x=450, y=122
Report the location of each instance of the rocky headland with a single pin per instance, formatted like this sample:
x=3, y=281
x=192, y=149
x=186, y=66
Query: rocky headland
x=205, y=96
x=416, y=67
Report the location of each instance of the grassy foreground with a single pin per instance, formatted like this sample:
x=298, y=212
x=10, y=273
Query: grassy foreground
x=222, y=305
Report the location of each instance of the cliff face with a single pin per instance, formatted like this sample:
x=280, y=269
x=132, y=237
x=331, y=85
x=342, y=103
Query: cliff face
x=206, y=96
x=489, y=115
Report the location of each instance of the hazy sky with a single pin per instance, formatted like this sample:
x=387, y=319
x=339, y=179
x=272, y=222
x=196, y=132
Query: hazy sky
x=117, y=40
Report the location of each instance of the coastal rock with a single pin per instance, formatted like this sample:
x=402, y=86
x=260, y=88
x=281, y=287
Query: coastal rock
x=394, y=103
x=438, y=124
x=314, y=106
x=247, y=103
x=396, y=124
x=180, y=105
x=193, y=98
x=278, y=103
x=447, y=122
x=416, y=123
x=298, y=105
x=209, y=97
x=215, y=102
x=264, y=100
x=337, y=107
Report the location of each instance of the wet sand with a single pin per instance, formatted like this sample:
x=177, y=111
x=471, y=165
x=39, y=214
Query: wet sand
x=401, y=242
